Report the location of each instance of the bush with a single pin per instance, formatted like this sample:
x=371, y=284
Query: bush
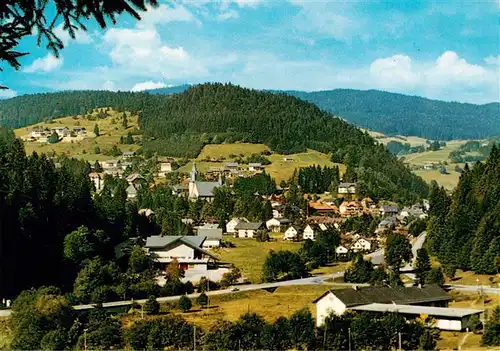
x=151, y=306
x=185, y=303
x=202, y=300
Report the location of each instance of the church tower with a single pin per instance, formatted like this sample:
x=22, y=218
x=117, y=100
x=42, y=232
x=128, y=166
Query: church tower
x=194, y=173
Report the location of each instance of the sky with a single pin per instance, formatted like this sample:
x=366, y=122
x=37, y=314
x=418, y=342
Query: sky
x=446, y=50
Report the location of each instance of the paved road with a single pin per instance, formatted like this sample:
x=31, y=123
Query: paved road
x=417, y=244
x=475, y=288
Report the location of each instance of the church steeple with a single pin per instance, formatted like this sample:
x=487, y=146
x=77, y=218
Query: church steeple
x=194, y=173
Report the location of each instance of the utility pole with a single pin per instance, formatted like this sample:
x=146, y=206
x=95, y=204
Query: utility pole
x=85, y=339
x=194, y=338
x=399, y=338
x=349, y=331
x=324, y=337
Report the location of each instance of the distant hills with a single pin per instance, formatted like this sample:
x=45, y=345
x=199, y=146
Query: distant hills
x=398, y=114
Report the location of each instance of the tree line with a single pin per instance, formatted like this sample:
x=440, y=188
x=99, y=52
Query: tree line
x=464, y=229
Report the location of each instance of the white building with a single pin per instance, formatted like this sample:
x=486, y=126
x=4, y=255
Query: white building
x=292, y=233
x=213, y=235
x=98, y=180
x=338, y=301
x=347, y=188
x=310, y=232
x=361, y=245
x=255, y=167
x=341, y=250
x=231, y=225
x=164, y=168
x=276, y=224
x=201, y=190
x=187, y=250
x=248, y=229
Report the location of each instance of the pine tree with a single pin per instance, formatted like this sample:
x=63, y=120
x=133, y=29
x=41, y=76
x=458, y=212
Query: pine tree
x=96, y=130
x=422, y=264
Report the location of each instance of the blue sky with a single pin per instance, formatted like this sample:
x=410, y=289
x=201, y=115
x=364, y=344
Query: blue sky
x=446, y=50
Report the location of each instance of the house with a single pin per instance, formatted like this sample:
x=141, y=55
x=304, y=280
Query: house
x=180, y=189
x=341, y=250
x=125, y=164
x=361, y=245
x=292, y=233
x=38, y=132
x=452, y=319
x=414, y=211
x=201, y=190
x=128, y=154
x=350, y=208
x=310, y=232
x=321, y=208
x=278, y=211
x=388, y=210
x=346, y=189
x=388, y=223
x=255, y=167
x=110, y=164
x=61, y=131
x=339, y=301
x=164, y=168
x=132, y=192
x=276, y=224
x=247, y=229
x=187, y=250
x=98, y=180
x=231, y=225
x=213, y=234
x=80, y=130
x=324, y=222
x=232, y=166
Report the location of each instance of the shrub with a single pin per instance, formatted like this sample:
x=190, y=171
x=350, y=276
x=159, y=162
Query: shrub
x=185, y=303
x=151, y=306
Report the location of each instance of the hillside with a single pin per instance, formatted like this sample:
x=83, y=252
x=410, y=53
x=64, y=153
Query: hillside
x=391, y=113
x=215, y=113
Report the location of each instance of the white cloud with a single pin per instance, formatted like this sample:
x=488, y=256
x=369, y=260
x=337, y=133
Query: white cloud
x=81, y=37
x=109, y=85
x=394, y=71
x=492, y=60
x=165, y=14
x=243, y=3
x=7, y=94
x=48, y=63
x=148, y=85
x=141, y=51
x=227, y=15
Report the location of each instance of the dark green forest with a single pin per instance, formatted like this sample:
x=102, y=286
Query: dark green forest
x=392, y=113
x=464, y=229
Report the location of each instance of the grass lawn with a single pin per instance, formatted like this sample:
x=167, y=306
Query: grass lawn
x=469, y=278
x=249, y=255
x=110, y=134
x=225, y=150
x=448, y=181
x=421, y=158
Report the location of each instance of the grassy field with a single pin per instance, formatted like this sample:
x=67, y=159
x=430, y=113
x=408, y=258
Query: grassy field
x=441, y=155
x=279, y=169
x=249, y=255
x=448, y=181
x=469, y=278
x=110, y=134
x=227, y=150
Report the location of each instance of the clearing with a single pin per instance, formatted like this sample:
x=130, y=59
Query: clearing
x=230, y=151
x=110, y=129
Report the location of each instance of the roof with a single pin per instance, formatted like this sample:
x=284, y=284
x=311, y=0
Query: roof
x=248, y=225
x=255, y=164
x=232, y=164
x=346, y=185
x=418, y=310
x=383, y=294
x=390, y=208
x=180, y=187
x=134, y=176
x=129, y=153
x=206, y=189
x=195, y=242
x=210, y=233
x=131, y=189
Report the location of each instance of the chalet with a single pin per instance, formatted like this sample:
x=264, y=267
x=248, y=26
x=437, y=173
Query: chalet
x=324, y=222
x=346, y=189
x=128, y=154
x=339, y=301
x=187, y=250
x=98, y=180
x=389, y=210
x=164, y=168
x=321, y=208
x=255, y=167
x=341, y=250
x=277, y=224
x=231, y=225
x=388, y=223
x=361, y=245
x=38, y=132
x=247, y=229
x=292, y=233
x=61, y=131
x=414, y=211
x=213, y=234
x=350, y=208
x=310, y=232
x=201, y=190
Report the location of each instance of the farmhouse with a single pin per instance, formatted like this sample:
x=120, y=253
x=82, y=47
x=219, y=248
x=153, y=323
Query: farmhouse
x=350, y=208
x=276, y=224
x=361, y=245
x=255, y=167
x=346, y=189
x=213, y=235
x=187, y=250
x=389, y=210
x=341, y=250
x=292, y=233
x=247, y=229
x=339, y=301
x=232, y=166
x=310, y=232
x=61, y=131
x=231, y=225
x=322, y=208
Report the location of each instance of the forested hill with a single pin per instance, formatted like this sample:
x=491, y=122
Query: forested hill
x=391, y=113
x=30, y=109
x=215, y=113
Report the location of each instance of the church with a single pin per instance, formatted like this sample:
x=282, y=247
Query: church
x=202, y=190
